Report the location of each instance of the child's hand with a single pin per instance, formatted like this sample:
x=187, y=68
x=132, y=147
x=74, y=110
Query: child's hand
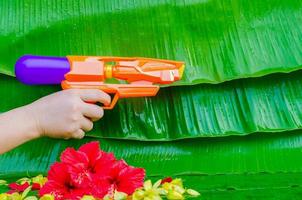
x=66, y=114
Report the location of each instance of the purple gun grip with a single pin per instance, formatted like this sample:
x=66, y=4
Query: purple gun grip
x=41, y=70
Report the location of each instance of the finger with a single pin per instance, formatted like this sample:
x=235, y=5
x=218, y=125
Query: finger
x=93, y=95
x=79, y=134
x=92, y=111
x=86, y=124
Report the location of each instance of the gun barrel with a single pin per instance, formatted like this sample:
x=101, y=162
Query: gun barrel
x=37, y=70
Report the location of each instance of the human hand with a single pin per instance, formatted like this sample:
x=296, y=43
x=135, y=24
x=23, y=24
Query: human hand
x=66, y=114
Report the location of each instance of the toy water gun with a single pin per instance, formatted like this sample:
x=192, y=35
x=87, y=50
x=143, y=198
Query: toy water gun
x=142, y=75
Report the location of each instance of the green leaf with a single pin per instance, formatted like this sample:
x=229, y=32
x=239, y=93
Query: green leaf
x=252, y=154
x=218, y=40
x=267, y=104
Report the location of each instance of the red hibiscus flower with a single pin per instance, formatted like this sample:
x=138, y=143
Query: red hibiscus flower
x=90, y=171
x=60, y=185
x=124, y=178
x=86, y=164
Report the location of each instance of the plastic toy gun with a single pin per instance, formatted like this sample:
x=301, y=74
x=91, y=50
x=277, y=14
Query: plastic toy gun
x=91, y=72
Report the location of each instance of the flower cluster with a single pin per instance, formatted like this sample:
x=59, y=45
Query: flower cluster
x=164, y=189
x=25, y=189
x=92, y=174
x=90, y=171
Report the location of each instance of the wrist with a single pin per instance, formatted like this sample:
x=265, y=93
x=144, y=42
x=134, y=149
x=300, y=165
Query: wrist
x=33, y=127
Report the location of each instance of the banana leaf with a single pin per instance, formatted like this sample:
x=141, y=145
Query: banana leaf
x=215, y=166
x=218, y=40
x=267, y=104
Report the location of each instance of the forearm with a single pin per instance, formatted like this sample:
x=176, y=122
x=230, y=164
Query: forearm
x=65, y=114
x=16, y=127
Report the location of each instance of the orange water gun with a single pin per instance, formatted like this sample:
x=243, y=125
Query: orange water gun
x=142, y=75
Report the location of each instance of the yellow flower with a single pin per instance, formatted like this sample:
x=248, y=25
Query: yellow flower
x=40, y=179
x=149, y=191
x=107, y=197
x=119, y=195
x=23, y=180
x=174, y=189
x=137, y=195
x=177, y=181
x=47, y=197
x=3, y=182
x=174, y=195
x=116, y=196
x=31, y=198
x=15, y=196
x=88, y=197
x=4, y=196
x=176, y=185
x=193, y=193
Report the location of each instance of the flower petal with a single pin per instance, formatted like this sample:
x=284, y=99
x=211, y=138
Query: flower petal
x=92, y=150
x=99, y=161
x=100, y=188
x=76, y=158
x=58, y=172
x=80, y=177
x=167, y=180
x=18, y=187
x=128, y=178
x=36, y=186
x=54, y=188
x=193, y=193
x=103, y=165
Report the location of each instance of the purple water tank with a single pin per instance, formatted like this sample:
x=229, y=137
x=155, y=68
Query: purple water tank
x=35, y=70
